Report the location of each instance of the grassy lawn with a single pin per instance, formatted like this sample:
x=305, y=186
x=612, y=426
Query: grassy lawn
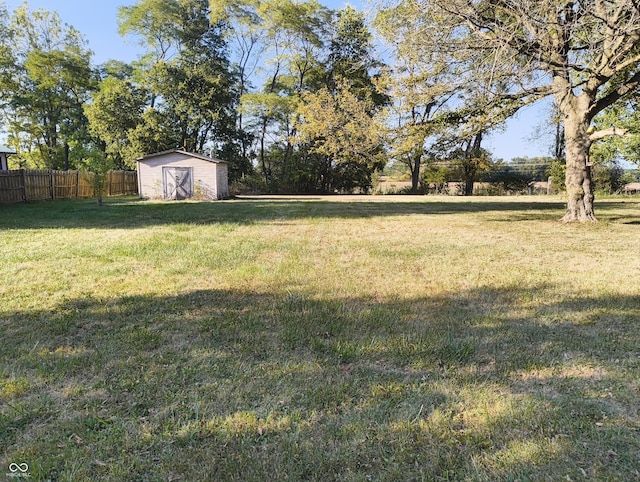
x=348, y=339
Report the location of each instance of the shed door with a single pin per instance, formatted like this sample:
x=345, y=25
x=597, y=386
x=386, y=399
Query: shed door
x=178, y=182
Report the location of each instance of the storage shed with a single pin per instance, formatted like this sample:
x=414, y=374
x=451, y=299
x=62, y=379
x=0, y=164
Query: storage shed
x=177, y=174
x=4, y=153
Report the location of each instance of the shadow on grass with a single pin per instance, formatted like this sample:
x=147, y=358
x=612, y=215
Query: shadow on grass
x=132, y=214
x=488, y=384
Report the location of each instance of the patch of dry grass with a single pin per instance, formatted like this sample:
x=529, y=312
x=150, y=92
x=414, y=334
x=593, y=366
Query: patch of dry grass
x=347, y=338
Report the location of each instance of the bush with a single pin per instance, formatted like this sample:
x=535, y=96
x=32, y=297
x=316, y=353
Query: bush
x=557, y=172
x=250, y=184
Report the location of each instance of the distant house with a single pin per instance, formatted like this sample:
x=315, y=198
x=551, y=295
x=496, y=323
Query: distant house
x=539, y=187
x=177, y=174
x=632, y=188
x=5, y=152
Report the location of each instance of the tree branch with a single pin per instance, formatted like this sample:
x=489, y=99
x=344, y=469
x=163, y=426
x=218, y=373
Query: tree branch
x=629, y=86
x=611, y=131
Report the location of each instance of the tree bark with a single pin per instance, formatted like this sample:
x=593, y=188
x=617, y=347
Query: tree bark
x=472, y=154
x=66, y=156
x=415, y=173
x=468, y=186
x=578, y=181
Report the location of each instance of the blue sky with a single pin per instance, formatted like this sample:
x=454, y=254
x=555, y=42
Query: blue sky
x=97, y=21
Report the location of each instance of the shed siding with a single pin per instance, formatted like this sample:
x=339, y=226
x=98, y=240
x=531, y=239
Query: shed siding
x=205, y=175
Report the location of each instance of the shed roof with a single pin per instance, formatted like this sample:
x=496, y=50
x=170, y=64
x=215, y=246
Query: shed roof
x=7, y=150
x=180, y=151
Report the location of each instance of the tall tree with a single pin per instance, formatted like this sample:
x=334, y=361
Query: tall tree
x=245, y=32
x=337, y=122
x=296, y=33
x=584, y=53
x=187, y=71
x=339, y=126
x=116, y=110
x=415, y=113
x=352, y=61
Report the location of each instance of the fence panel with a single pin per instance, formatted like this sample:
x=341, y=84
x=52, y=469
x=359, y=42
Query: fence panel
x=65, y=184
x=115, y=183
x=35, y=185
x=11, y=186
x=85, y=184
x=130, y=182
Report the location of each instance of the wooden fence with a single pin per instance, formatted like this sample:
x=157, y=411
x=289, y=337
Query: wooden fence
x=32, y=185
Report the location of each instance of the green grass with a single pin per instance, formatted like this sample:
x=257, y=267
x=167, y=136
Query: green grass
x=346, y=339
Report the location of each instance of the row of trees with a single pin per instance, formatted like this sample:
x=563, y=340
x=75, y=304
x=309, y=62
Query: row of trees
x=282, y=90
x=513, y=177
x=61, y=112
x=293, y=94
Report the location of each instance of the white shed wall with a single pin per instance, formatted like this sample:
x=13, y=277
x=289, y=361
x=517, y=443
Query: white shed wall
x=209, y=178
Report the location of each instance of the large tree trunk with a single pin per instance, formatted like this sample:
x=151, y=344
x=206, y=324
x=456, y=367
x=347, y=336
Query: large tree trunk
x=578, y=177
x=66, y=156
x=472, y=155
x=468, y=186
x=415, y=173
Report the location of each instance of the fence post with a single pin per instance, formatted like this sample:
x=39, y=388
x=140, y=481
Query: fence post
x=24, y=185
x=52, y=188
x=77, y=181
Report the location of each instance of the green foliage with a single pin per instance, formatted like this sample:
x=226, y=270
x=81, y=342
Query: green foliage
x=47, y=77
x=611, y=178
x=186, y=91
x=250, y=184
x=510, y=180
x=338, y=125
x=351, y=59
x=320, y=68
x=623, y=115
x=153, y=133
x=504, y=56
x=436, y=175
x=557, y=173
x=99, y=165
x=316, y=122
x=418, y=113
x=182, y=93
x=114, y=114
x=153, y=21
x=6, y=57
x=516, y=175
x=469, y=163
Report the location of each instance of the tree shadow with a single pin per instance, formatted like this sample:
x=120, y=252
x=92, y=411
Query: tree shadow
x=238, y=384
